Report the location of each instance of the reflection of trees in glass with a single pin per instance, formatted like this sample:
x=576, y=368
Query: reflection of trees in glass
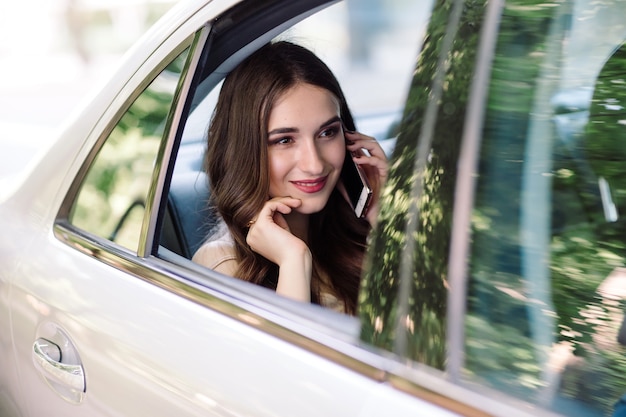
x=112, y=197
x=590, y=250
x=499, y=347
x=583, y=249
x=605, y=142
x=428, y=192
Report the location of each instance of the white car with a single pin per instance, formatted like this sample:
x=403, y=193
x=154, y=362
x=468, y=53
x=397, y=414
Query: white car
x=495, y=275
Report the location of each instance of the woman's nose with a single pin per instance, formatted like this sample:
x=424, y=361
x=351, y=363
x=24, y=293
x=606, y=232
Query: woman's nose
x=311, y=160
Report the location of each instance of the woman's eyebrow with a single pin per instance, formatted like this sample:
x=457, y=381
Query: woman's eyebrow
x=283, y=130
x=330, y=121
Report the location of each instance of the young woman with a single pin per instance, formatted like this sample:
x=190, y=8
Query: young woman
x=276, y=148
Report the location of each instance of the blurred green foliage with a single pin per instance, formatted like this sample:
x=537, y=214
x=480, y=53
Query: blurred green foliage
x=582, y=250
x=502, y=349
x=111, y=200
x=429, y=188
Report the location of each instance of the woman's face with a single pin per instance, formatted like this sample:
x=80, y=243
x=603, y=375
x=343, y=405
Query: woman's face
x=306, y=146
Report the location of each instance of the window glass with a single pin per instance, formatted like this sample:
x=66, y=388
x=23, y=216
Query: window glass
x=547, y=278
x=112, y=197
x=403, y=303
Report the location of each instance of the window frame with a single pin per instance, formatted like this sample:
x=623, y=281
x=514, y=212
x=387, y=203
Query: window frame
x=75, y=236
x=464, y=193
x=156, y=198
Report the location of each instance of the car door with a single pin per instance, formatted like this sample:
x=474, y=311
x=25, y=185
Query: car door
x=75, y=318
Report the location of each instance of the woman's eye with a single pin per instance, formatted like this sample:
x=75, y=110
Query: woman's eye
x=329, y=133
x=281, y=141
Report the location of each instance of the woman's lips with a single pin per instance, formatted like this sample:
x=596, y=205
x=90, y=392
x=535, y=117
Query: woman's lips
x=310, y=186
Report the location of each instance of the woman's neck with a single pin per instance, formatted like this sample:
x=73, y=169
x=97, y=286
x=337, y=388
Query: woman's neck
x=299, y=225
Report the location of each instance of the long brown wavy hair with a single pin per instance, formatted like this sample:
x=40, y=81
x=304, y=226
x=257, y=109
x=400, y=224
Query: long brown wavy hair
x=237, y=166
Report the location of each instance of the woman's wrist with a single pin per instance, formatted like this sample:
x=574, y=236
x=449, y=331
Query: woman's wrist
x=294, y=276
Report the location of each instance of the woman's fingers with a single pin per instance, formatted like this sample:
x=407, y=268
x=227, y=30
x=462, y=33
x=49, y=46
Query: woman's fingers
x=269, y=234
x=374, y=164
x=282, y=205
x=270, y=237
x=380, y=164
x=357, y=142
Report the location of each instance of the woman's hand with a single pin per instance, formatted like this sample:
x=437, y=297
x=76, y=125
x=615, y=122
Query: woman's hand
x=374, y=165
x=270, y=237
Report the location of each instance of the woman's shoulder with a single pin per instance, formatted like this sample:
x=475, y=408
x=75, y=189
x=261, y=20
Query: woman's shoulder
x=218, y=254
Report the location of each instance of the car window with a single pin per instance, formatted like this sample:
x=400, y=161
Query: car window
x=542, y=315
x=546, y=281
x=112, y=198
x=404, y=290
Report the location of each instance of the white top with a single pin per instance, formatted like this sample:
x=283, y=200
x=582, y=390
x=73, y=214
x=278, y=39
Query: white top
x=219, y=254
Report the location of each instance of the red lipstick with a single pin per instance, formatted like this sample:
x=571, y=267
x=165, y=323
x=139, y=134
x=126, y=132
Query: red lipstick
x=310, y=186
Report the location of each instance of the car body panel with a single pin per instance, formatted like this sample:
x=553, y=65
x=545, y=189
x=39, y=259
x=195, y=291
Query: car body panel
x=218, y=359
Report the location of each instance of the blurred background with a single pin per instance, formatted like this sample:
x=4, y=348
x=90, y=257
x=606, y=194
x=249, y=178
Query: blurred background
x=54, y=53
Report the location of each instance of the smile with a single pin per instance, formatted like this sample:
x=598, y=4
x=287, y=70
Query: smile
x=310, y=186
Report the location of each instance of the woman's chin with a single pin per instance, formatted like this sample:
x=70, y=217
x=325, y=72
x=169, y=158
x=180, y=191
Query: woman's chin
x=310, y=207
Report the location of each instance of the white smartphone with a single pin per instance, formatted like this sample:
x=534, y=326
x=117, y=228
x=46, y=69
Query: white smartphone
x=357, y=186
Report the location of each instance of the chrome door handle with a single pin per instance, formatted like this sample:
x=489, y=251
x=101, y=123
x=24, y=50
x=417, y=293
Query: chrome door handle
x=47, y=358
